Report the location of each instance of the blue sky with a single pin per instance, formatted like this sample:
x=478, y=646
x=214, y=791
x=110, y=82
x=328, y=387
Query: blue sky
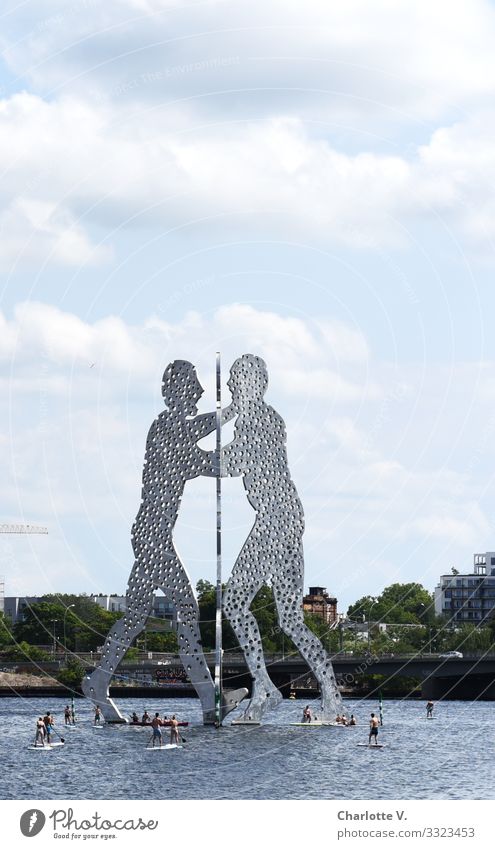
x=314, y=185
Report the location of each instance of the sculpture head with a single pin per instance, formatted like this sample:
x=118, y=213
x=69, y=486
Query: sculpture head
x=248, y=379
x=181, y=388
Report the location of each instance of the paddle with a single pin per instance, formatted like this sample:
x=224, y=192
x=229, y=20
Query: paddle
x=54, y=731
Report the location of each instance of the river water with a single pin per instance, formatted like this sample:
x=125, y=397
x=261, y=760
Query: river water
x=450, y=757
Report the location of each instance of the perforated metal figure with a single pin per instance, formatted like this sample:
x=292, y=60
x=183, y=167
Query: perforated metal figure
x=273, y=551
x=172, y=458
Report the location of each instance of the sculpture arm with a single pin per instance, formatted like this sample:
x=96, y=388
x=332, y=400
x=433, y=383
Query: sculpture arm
x=207, y=422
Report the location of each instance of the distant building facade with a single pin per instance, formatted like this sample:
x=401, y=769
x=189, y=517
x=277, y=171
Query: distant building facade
x=319, y=603
x=468, y=597
x=162, y=607
x=14, y=607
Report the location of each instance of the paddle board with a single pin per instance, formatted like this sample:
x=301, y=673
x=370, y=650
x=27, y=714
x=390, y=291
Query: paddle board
x=45, y=748
x=166, y=746
x=315, y=724
x=372, y=745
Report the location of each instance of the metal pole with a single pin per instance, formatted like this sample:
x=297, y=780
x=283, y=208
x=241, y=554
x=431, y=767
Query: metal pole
x=218, y=620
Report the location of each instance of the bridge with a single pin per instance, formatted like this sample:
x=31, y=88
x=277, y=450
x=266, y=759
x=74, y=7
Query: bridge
x=469, y=677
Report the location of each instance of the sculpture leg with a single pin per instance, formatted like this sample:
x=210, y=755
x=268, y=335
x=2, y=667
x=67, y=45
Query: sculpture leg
x=138, y=607
x=191, y=649
x=241, y=588
x=288, y=590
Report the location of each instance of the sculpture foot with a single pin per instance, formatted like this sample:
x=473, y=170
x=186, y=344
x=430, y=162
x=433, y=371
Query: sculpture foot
x=230, y=700
x=95, y=688
x=330, y=708
x=259, y=705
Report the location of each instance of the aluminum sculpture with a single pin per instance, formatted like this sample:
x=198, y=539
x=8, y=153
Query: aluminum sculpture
x=172, y=458
x=273, y=551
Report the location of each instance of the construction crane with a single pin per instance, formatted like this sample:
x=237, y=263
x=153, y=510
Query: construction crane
x=23, y=529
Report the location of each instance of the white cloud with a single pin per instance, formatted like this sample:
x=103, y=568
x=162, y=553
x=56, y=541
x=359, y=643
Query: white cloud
x=400, y=60
x=72, y=170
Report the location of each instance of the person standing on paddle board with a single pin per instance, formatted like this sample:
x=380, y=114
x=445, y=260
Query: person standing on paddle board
x=429, y=709
x=67, y=717
x=306, y=717
x=48, y=721
x=157, y=734
x=40, y=732
x=174, y=731
x=374, y=723
x=97, y=715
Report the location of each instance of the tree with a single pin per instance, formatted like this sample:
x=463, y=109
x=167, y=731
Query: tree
x=207, y=600
x=86, y=623
x=6, y=637
x=399, y=603
x=23, y=651
x=72, y=674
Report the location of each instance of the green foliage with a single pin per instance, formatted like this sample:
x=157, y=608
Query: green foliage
x=162, y=642
x=6, y=638
x=86, y=623
x=72, y=674
x=386, y=684
x=24, y=651
x=468, y=638
x=131, y=654
x=207, y=600
x=398, y=603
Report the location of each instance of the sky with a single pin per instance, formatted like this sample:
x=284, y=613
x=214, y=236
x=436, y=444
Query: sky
x=312, y=183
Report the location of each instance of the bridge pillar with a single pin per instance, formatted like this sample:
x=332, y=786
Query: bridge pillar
x=469, y=688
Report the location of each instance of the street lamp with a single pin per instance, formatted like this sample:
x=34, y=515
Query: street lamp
x=65, y=637
x=54, y=622
x=373, y=602
x=428, y=629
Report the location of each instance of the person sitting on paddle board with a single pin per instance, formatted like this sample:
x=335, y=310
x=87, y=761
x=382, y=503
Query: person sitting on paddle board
x=174, y=731
x=134, y=718
x=157, y=734
x=145, y=717
x=429, y=709
x=374, y=723
x=40, y=732
x=352, y=720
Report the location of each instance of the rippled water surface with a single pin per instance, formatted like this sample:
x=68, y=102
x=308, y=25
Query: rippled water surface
x=450, y=757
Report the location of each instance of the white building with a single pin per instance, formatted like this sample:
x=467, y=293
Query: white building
x=469, y=597
x=162, y=607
